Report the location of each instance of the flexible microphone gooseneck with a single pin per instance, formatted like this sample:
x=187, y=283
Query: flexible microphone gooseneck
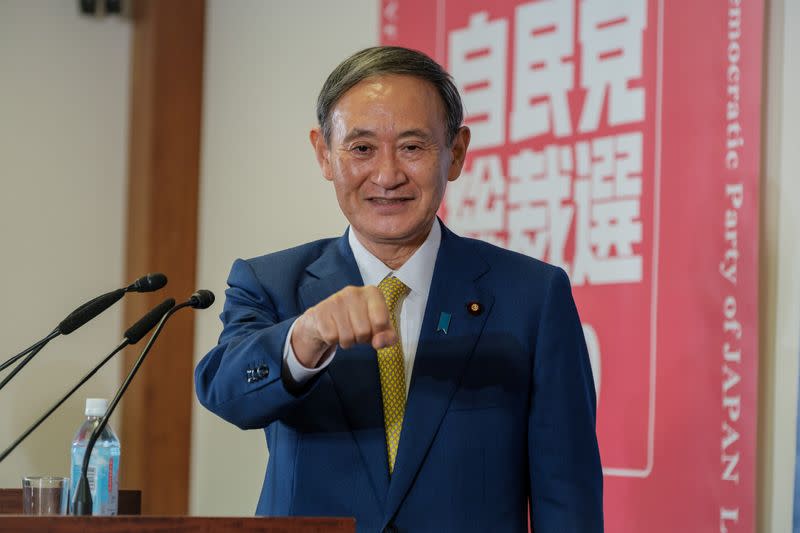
x=82, y=502
x=37, y=346
x=82, y=315
x=133, y=335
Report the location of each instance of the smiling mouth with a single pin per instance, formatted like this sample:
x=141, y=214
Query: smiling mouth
x=389, y=201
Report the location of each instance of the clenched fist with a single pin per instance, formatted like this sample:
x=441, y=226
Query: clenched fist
x=354, y=315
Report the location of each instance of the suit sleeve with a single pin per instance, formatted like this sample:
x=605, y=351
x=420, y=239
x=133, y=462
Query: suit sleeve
x=241, y=378
x=566, y=477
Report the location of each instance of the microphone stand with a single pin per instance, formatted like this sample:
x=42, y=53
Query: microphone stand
x=83, y=314
x=58, y=331
x=132, y=336
x=50, y=411
x=74, y=320
x=53, y=334
x=82, y=503
x=25, y=361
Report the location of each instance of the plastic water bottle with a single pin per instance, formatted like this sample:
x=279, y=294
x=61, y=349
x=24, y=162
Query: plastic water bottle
x=103, y=473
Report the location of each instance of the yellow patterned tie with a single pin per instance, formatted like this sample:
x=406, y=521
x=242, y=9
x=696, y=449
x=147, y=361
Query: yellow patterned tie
x=392, y=371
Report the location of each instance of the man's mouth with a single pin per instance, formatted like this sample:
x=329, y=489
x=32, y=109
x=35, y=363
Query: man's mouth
x=389, y=201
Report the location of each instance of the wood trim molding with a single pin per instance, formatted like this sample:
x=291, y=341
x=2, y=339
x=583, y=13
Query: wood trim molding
x=163, y=176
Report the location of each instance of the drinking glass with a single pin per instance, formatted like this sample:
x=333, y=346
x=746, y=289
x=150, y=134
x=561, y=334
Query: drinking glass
x=45, y=495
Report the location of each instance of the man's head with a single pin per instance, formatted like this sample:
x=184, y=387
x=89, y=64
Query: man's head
x=389, y=138
x=382, y=61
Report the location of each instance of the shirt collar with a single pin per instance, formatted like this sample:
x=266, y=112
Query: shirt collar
x=416, y=273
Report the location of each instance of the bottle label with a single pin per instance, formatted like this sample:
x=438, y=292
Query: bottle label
x=103, y=476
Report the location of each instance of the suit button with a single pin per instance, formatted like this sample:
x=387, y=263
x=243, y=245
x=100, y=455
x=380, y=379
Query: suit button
x=262, y=371
x=391, y=528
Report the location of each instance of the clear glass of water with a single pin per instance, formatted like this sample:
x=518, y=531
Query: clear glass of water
x=45, y=495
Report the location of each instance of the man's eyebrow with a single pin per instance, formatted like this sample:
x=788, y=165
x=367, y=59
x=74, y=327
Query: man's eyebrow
x=424, y=134
x=358, y=132
x=361, y=132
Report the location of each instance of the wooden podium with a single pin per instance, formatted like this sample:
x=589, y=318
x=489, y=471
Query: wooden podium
x=130, y=502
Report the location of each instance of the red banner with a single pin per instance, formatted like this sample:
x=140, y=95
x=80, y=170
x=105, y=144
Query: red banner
x=620, y=141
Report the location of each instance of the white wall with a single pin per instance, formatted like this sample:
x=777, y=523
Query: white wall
x=261, y=189
x=63, y=145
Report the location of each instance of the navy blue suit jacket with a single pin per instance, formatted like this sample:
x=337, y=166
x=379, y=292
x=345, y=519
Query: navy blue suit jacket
x=500, y=411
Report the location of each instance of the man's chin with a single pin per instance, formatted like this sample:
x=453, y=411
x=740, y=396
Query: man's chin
x=393, y=232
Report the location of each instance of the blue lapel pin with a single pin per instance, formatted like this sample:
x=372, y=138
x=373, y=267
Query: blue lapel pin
x=444, y=322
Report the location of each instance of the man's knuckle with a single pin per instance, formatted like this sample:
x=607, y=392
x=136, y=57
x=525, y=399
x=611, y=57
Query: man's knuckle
x=330, y=338
x=362, y=330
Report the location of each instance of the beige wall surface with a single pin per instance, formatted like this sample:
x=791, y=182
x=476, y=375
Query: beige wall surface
x=63, y=145
x=261, y=190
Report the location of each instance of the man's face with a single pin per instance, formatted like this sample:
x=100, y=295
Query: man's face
x=389, y=159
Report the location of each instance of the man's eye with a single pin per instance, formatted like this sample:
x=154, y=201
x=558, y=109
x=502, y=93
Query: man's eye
x=361, y=149
x=412, y=148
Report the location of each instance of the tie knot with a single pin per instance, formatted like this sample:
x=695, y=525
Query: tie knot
x=393, y=290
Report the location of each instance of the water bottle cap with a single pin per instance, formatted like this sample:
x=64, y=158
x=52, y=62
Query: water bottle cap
x=96, y=406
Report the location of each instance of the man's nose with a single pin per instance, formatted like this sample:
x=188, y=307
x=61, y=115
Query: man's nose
x=388, y=173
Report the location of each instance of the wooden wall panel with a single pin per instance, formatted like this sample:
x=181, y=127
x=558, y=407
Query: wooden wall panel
x=165, y=121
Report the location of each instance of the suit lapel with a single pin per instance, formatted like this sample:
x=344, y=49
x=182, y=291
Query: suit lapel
x=354, y=372
x=441, y=357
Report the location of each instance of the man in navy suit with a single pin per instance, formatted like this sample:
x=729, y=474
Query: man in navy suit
x=408, y=377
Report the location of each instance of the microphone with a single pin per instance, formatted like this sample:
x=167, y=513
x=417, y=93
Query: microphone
x=201, y=299
x=95, y=306
x=148, y=283
x=82, y=315
x=133, y=335
x=88, y=311
x=82, y=502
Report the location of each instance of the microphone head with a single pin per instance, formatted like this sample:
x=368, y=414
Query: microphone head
x=202, y=299
x=149, y=283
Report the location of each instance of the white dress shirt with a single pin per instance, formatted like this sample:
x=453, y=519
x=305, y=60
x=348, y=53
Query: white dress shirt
x=416, y=273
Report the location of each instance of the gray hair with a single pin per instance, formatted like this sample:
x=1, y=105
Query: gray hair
x=382, y=60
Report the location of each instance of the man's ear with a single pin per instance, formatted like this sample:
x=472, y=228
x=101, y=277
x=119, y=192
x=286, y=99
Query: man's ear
x=458, y=152
x=322, y=152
